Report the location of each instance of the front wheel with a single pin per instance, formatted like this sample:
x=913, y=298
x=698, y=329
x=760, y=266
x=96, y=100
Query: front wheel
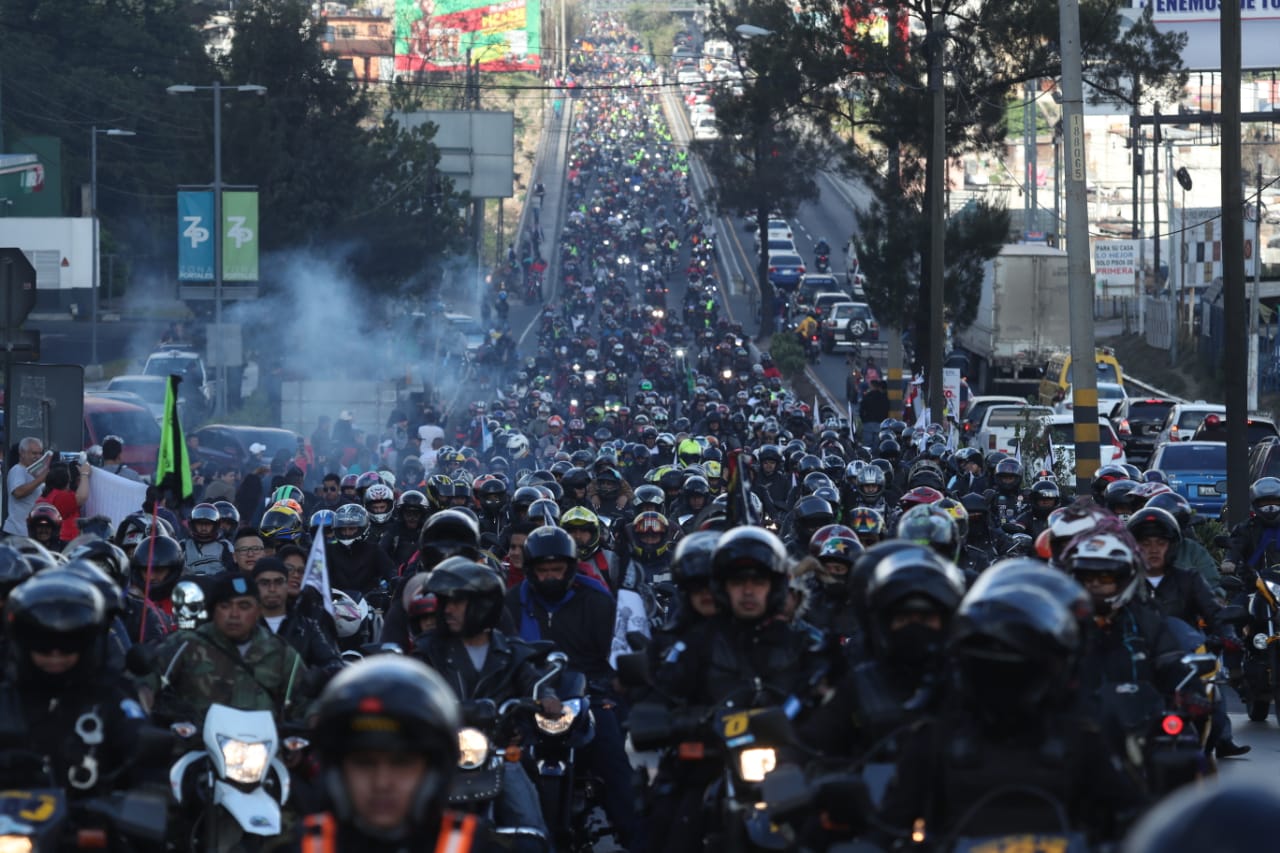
x=1258, y=710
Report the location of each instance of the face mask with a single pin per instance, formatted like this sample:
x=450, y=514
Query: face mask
x=914, y=645
x=552, y=590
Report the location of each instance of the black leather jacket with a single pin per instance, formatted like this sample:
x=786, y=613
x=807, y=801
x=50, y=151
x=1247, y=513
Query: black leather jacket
x=1184, y=594
x=507, y=672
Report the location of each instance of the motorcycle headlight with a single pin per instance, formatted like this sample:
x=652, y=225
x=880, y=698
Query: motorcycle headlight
x=755, y=764
x=569, y=712
x=1260, y=642
x=473, y=748
x=246, y=762
x=15, y=844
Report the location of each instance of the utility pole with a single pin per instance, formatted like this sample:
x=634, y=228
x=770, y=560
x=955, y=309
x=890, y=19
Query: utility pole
x=1253, y=293
x=937, y=220
x=1155, y=198
x=1084, y=380
x=1233, y=301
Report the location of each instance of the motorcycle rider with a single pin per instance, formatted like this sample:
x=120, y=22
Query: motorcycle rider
x=585, y=528
x=1255, y=544
x=910, y=599
x=205, y=552
x=1185, y=599
x=1007, y=503
x=554, y=602
x=356, y=564
x=478, y=661
x=386, y=732
x=1014, y=651
x=231, y=660
x=58, y=701
x=1043, y=498
x=304, y=634
x=401, y=539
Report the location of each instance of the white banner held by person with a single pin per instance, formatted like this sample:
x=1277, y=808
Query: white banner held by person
x=113, y=496
x=316, y=574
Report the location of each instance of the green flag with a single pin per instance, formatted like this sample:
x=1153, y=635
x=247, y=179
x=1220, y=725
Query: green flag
x=173, y=473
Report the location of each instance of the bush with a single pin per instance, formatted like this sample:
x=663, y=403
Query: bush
x=787, y=354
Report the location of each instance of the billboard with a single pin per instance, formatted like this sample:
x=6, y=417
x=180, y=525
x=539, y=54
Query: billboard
x=434, y=35
x=1259, y=30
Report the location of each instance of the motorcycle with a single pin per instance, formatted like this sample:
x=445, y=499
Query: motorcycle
x=40, y=816
x=482, y=764
x=822, y=263
x=812, y=349
x=234, y=784
x=747, y=751
x=1261, y=685
x=569, y=797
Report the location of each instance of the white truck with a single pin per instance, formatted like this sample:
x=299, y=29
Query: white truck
x=1022, y=319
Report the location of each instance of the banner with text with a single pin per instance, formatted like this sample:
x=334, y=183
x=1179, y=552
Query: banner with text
x=1114, y=264
x=195, y=236
x=239, y=236
x=1198, y=19
x=435, y=35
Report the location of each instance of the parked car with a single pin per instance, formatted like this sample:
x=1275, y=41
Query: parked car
x=1139, y=422
x=705, y=129
x=1214, y=428
x=1062, y=440
x=1197, y=470
x=977, y=408
x=848, y=323
x=131, y=422
x=229, y=445
x=1264, y=459
x=1183, y=419
x=786, y=270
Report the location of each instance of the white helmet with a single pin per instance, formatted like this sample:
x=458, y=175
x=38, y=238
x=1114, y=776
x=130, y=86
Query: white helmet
x=517, y=446
x=348, y=614
x=379, y=492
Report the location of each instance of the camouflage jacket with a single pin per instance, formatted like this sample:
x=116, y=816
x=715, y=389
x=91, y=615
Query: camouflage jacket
x=195, y=669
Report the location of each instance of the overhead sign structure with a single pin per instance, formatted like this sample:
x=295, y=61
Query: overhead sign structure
x=435, y=35
x=239, y=236
x=477, y=148
x=1259, y=30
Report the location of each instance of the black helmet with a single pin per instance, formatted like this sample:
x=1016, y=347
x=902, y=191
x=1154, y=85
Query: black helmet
x=522, y=499
x=746, y=551
x=1116, y=497
x=889, y=449
x=162, y=554
x=550, y=543
x=813, y=481
x=770, y=453
x=14, y=568
x=1196, y=817
x=1176, y=505
x=648, y=496
x=57, y=610
x=1044, y=498
x=1008, y=475
x=576, y=478
x=392, y=703
x=1028, y=570
x=809, y=514
x=113, y=596
x=807, y=464
x=911, y=579
x=204, y=512
x=691, y=566
x=1264, y=500
x=1104, y=476
x=108, y=556
x=414, y=502
x=1153, y=521
x=458, y=577
x=448, y=533
x=1012, y=646
x=544, y=511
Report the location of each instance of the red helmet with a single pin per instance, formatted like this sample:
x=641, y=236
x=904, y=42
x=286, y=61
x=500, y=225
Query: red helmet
x=920, y=496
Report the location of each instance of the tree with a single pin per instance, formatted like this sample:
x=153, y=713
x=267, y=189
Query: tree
x=992, y=48
x=328, y=173
x=767, y=156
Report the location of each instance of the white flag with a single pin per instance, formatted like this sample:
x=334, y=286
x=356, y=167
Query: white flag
x=1046, y=464
x=316, y=574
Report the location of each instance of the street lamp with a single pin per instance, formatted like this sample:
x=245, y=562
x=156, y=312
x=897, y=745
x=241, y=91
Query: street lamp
x=217, y=88
x=95, y=132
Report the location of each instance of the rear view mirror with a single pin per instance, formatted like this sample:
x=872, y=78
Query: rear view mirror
x=1202, y=663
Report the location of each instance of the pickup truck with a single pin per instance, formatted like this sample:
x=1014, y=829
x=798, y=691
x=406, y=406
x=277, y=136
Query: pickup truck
x=1000, y=425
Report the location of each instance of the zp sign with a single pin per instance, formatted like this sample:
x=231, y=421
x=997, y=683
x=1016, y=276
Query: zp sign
x=239, y=236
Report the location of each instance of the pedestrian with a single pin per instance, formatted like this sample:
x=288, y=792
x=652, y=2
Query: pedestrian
x=23, y=485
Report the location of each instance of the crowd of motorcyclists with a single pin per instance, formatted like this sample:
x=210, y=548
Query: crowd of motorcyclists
x=641, y=593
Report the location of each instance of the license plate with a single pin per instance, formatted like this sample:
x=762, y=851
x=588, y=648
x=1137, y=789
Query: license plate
x=1207, y=491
